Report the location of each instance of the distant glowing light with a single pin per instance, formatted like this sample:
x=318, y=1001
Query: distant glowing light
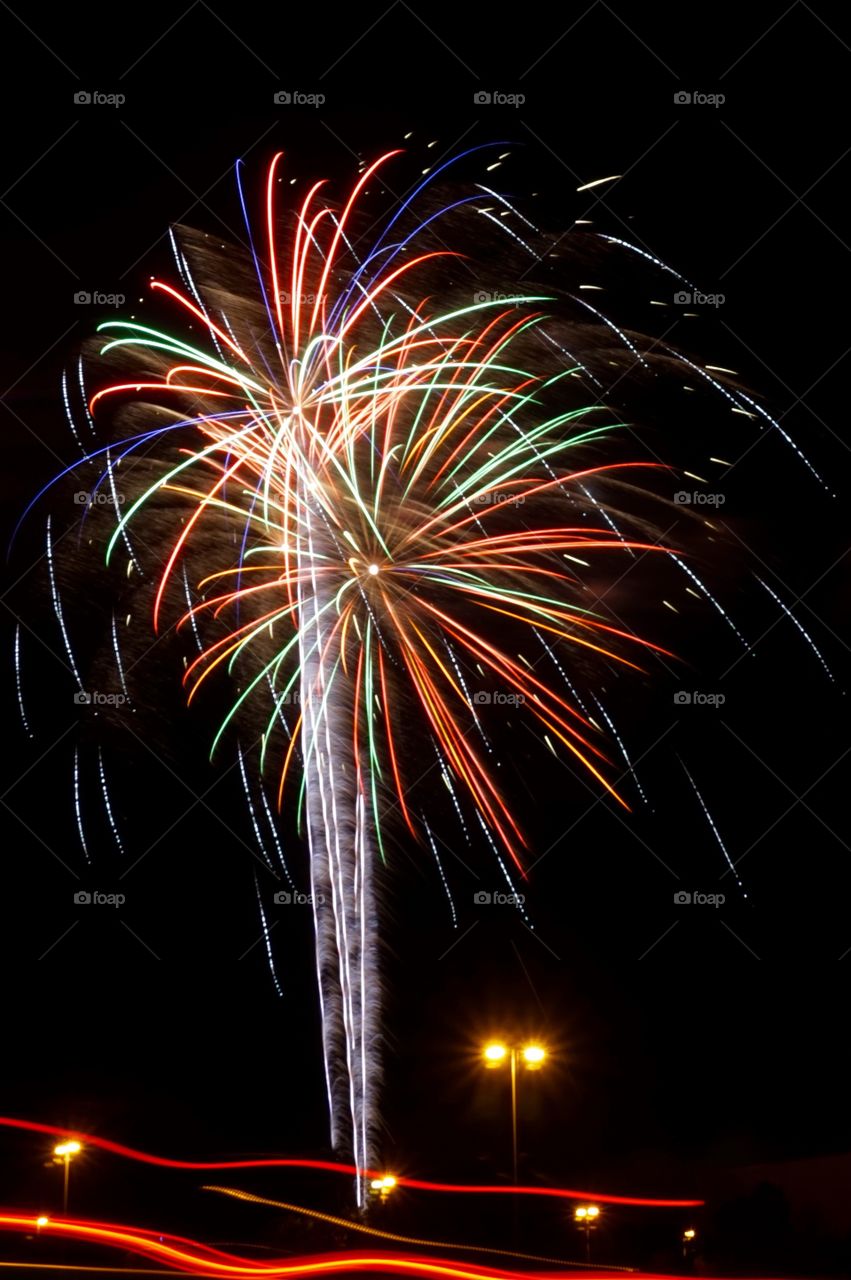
x=495, y=1053
x=373, y=569
x=68, y=1149
x=534, y=1054
x=383, y=1186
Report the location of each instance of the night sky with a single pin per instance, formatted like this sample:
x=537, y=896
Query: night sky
x=683, y=1039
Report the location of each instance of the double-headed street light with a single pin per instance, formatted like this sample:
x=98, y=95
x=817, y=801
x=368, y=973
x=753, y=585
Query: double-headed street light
x=586, y=1217
x=532, y=1057
x=65, y=1152
x=381, y=1188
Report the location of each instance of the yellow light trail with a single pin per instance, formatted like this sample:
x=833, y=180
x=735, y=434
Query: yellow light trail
x=236, y=1194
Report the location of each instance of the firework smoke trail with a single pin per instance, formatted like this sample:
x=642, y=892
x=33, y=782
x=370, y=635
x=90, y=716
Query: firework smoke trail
x=338, y=858
x=361, y=463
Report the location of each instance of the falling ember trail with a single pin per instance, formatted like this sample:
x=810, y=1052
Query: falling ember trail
x=714, y=829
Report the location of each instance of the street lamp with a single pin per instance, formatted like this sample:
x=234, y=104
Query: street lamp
x=689, y=1246
x=532, y=1056
x=64, y=1152
x=586, y=1217
x=381, y=1188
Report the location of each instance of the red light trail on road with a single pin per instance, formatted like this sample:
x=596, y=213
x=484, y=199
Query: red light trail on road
x=330, y=1166
x=192, y=1256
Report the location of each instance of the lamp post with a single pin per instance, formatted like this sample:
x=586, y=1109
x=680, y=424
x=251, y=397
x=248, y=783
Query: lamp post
x=532, y=1057
x=586, y=1217
x=689, y=1247
x=64, y=1152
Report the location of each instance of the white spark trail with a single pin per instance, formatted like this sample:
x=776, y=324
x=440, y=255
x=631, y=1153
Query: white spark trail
x=790, y=615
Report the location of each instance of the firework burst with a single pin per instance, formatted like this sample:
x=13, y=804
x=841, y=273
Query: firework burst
x=406, y=499
x=381, y=509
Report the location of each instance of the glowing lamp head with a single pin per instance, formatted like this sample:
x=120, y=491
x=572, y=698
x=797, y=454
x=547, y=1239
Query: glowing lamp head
x=533, y=1055
x=381, y=1187
x=593, y=1211
x=689, y=1234
x=495, y=1054
x=42, y=1221
x=372, y=570
x=65, y=1149
x=580, y=1214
